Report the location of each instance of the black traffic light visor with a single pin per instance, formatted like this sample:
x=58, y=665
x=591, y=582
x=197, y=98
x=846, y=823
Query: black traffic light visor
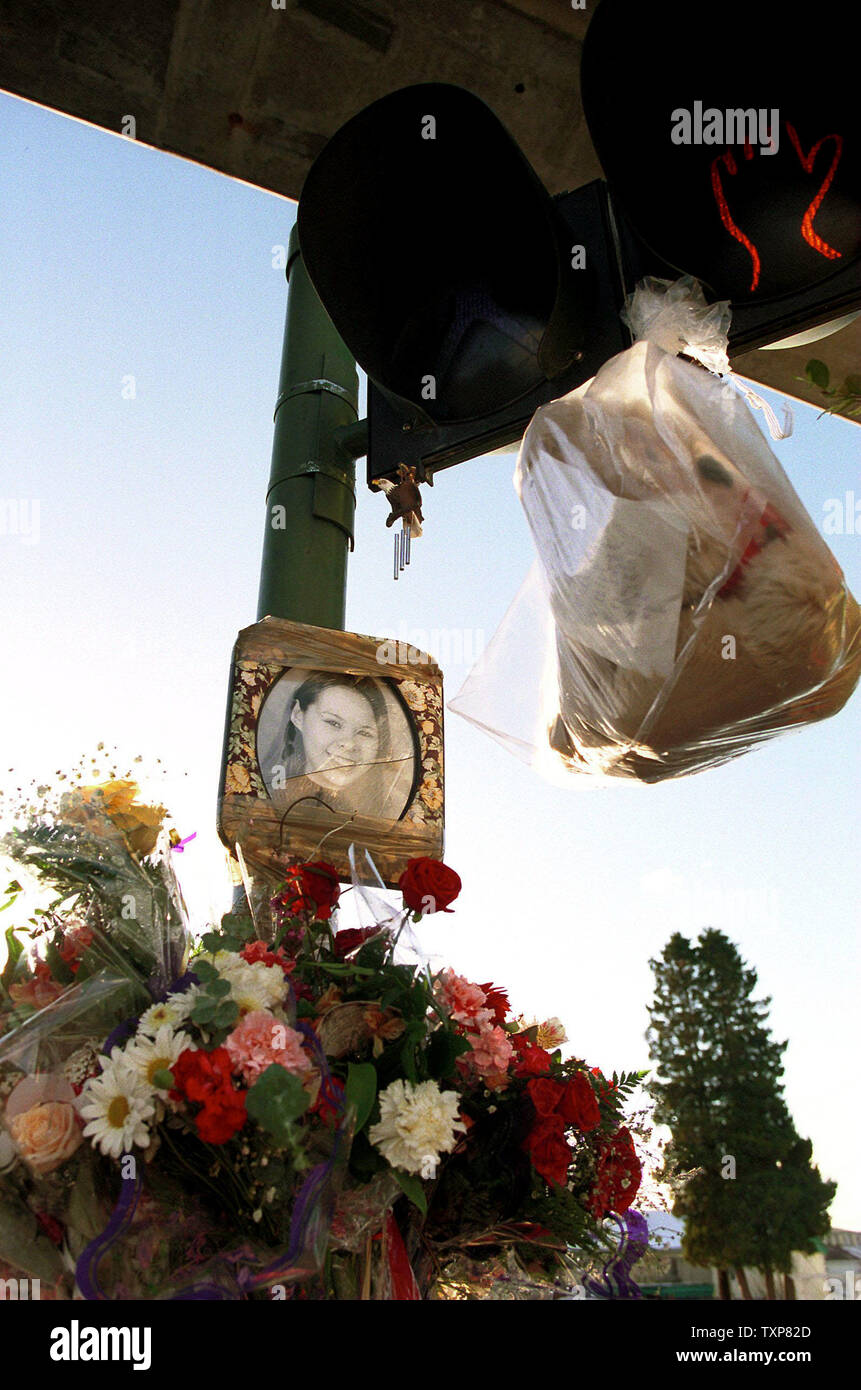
x=751, y=223
x=434, y=248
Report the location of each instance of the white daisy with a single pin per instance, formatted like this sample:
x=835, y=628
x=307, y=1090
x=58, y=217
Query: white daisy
x=417, y=1124
x=117, y=1105
x=183, y=1003
x=149, y=1055
x=170, y=1013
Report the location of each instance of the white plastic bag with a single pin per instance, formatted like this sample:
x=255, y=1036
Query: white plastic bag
x=695, y=607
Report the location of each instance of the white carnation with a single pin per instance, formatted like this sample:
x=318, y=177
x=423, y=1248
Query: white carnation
x=417, y=1123
x=253, y=984
x=256, y=985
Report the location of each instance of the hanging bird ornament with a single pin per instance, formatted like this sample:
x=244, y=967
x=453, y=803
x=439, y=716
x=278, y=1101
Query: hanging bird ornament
x=405, y=500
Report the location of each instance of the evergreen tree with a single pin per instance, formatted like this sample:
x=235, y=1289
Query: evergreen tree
x=747, y=1188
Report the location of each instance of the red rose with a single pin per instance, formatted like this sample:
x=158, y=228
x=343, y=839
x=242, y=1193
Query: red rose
x=313, y=887
x=579, y=1106
x=428, y=885
x=533, y=1061
x=351, y=939
x=548, y=1149
x=497, y=1001
x=619, y=1175
x=545, y=1094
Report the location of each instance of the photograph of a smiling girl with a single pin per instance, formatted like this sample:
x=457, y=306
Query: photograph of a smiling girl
x=341, y=741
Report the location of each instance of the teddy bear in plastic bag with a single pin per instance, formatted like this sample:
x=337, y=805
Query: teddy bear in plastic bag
x=696, y=609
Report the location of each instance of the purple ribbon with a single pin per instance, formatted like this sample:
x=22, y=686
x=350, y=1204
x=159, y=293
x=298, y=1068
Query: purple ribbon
x=615, y=1280
x=316, y=1197
x=180, y=845
x=121, y=1218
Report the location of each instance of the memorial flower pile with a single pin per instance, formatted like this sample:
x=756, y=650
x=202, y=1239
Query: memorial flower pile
x=290, y=1107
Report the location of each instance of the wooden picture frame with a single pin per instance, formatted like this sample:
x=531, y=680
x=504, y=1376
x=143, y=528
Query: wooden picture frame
x=329, y=742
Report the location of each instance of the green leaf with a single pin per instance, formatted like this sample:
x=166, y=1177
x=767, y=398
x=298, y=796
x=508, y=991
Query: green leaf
x=12, y=891
x=163, y=1079
x=58, y=967
x=87, y=966
x=818, y=373
x=14, y=951
x=204, y=1009
x=361, y=1090
x=411, y=1186
x=443, y=1050
x=852, y=385
x=226, y=1013
x=276, y=1100
x=239, y=926
x=24, y=1246
x=204, y=970
x=218, y=989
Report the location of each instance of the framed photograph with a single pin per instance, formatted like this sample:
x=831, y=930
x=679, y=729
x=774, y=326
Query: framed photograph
x=331, y=739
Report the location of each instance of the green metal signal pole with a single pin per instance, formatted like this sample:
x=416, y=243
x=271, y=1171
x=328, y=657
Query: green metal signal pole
x=311, y=501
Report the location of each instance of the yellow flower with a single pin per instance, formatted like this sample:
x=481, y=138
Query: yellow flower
x=238, y=779
x=139, y=824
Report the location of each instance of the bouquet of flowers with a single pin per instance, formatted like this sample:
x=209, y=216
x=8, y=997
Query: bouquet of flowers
x=298, y=1112
x=110, y=934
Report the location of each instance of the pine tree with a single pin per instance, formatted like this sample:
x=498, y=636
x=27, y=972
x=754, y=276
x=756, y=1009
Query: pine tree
x=745, y=1183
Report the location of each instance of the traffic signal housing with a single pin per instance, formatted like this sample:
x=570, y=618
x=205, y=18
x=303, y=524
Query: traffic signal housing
x=731, y=156
x=467, y=293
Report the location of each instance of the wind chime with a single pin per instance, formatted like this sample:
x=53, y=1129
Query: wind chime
x=405, y=500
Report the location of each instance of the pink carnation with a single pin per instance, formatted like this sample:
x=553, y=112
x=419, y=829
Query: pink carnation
x=463, y=1000
x=261, y=1040
x=491, y=1052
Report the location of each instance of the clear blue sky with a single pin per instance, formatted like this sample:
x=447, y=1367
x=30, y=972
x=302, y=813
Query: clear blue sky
x=118, y=623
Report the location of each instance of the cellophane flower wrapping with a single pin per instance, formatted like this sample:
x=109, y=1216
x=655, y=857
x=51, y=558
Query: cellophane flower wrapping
x=684, y=606
x=108, y=936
